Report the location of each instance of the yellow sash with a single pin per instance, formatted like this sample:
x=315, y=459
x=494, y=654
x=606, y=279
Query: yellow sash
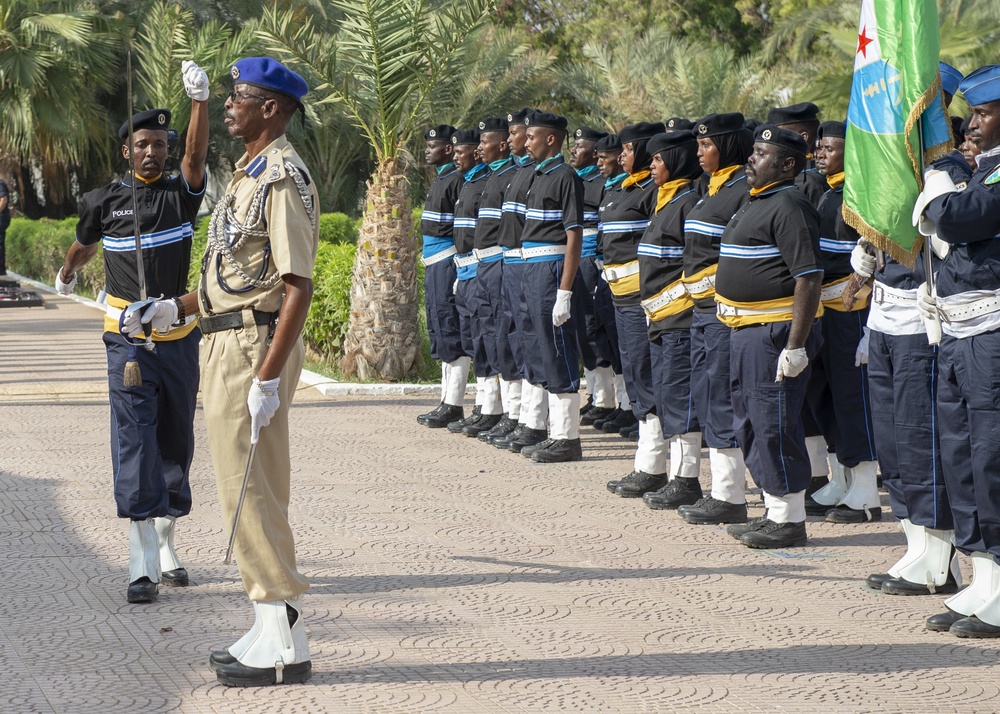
x=784, y=315
x=627, y=285
x=862, y=299
x=176, y=333
x=674, y=307
x=704, y=273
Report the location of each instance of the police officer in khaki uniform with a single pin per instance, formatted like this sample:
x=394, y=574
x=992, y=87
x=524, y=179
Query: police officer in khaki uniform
x=259, y=261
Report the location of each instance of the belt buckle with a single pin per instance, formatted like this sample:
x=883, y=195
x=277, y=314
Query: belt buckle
x=611, y=274
x=878, y=294
x=727, y=310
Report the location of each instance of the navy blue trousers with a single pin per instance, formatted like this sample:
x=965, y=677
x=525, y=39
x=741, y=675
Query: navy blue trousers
x=838, y=395
x=489, y=289
x=551, y=354
x=512, y=361
x=710, y=382
x=902, y=376
x=466, y=305
x=670, y=352
x=604, y=309
x=767, y=414
x=152, y=426
x=637, y=364
x=595, y=347
x=968, y=404
x=443, y=324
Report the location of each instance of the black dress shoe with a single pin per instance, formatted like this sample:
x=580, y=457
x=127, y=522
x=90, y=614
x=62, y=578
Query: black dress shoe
x=527, y=438
x=972, y=626
x=629, y=432
x=599, y=423
x=239, y=675
x=639, y=483
x=142, y=590
x=455, y=427
x=943, y=621
x=446, y=416
x=899, y=586
x=530, y=449
x=559, y=451
x=587, y=406
x=595, y=414
x=484, y=423
x=624, y=418
x=712, y=511
x=503, y=427
x=815, y=508
x=422, y=418
x=775, y=535
x=876, y=580
x=503, y=442
x=218, y=658
x=679, y=492
x=845, y=514
x=736, y=530
x=177, y=578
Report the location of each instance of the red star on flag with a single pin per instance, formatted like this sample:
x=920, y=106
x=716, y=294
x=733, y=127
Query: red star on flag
x=864, y=41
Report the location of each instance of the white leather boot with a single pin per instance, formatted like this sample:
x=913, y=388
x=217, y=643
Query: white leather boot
x=930, y=570
x=985, y=582
x=833, y=492
x=143, y=561
x=861, y=502
x=171, y=570
x=277, y=653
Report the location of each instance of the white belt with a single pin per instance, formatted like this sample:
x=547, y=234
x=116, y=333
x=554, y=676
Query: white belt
x=438, y=257
x=542, y=251
x=832, y=292
x=588, y=232
x=962, y=311
x=703, y=285
x=514, y=253
x=463, y=261
x=613, y=275
x=733, y=311
x=653, y=304
x=482, y=254
x=883, y=294
x=115, y=314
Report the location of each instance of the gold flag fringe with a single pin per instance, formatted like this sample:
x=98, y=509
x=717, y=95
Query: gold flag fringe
x=880, y=240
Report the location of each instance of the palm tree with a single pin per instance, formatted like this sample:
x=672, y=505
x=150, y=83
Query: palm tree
x=380, y=67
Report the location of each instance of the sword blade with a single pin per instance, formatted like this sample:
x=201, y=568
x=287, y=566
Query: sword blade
x=239, y=503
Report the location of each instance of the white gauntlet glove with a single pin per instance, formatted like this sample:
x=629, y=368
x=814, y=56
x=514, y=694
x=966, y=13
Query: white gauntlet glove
x=263, y=401
x=161, y=315
x=64, y=288
x=561, y=310
x=195, y=81
x=861, y=356
x=862, y=262
x=927, y=303
x=791, y=363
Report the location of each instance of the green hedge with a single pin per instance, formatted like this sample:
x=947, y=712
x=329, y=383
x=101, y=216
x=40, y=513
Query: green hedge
x=36, y=249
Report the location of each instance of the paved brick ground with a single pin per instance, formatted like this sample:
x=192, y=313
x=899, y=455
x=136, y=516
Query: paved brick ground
x=447, y=576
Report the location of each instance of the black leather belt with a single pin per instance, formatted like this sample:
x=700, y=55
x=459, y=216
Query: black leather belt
x=232, y=321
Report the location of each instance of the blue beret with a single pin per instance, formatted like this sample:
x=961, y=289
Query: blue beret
x=611, y=142
x=950, y=77
x=982, y=86
x=149, y=119
x=786, y=138
x=268, y=73
x=640, y=131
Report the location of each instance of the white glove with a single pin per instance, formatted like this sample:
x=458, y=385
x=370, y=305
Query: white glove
x=161, y=315
x=195, y=81
x=936, y=184
x=927, y=303
x=263, y=401
x=561, y=310
x=65, y=288
x=862, y=262
x=861, y=356
x=791, y=363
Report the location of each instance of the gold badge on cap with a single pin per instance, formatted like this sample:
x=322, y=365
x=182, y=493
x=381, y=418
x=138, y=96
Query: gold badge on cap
x=482, y=125
x=162, y=119
x=766, y=135
x=702, y=129
x=235, y=72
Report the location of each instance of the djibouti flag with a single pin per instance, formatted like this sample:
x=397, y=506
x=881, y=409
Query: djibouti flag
x=896, y=101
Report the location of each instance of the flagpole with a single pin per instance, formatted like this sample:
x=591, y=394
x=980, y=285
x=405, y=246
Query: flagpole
x=933, y=328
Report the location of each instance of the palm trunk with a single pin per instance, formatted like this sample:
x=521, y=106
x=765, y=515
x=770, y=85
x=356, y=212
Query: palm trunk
x=382, y=341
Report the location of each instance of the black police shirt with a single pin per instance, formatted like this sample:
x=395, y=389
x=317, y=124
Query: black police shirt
x=512, y=219
x=491, y=205
x=773, y=239
x=467, y=208
x=438, y=218
x=836, y=238
x=812, y=183
x=625, y=215
x=704, y=226
x=593, y=192
x=167, y=213
x=554, y=203
x=661, y=254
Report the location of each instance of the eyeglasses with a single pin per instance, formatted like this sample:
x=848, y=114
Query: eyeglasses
x=238, y=97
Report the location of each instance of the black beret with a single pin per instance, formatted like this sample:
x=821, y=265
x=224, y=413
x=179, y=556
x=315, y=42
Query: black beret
x=441, y=131
x=964, y=129
x=519, y=116
x=833, y=130
x=679, y=124
x=585, y=132
x=149, y=119
x=668, y=140
x=609, y=143
x=546, y=120
x=465, y=137
x=718, y=124
x=804, y=112
x=640, y=131
x=494, y=124
x=786, y=138
x=751, y=124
